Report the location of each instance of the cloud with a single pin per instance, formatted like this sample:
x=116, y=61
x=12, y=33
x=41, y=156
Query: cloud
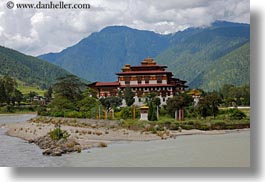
x=38, y=31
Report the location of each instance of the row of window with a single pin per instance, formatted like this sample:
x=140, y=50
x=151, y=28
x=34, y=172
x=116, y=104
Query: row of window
x=127, y=79
x=152, y=89
x=145, y=100
x=139, y=93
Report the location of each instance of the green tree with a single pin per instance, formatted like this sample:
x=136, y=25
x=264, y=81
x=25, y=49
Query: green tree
x=236, y=114
x=68, y=87
x=234, y=96
x=31, y=95
x=91, y=93
x=8, y=86
x=16, y=96
x=178, y=102
x=128, y=96
x=157, y=101
x=62, y=104
x=48, y=94
x=208, y=105
x=151, y=112
x=203, y=108
x=67, y=93
x=153, y=101
x=110, y=102
x=88, y=102
x=214, y=100
x=2, y=93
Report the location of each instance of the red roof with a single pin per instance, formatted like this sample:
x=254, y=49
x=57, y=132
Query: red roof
x=144, y=72
x=105, y=84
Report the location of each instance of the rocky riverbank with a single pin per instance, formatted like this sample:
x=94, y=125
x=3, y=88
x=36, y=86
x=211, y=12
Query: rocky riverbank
x=87, y=133
x=56, y=147
x=83, y=134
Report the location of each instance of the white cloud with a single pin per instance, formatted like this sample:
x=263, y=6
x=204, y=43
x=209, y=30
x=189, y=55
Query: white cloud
x=36, y=31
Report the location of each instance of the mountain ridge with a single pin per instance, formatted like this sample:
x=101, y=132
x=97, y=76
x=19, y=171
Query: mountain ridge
x=185, y=51
x=28, y=69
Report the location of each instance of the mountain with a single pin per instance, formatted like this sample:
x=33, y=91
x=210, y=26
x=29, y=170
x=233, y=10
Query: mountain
x=100, y=55
x=201, y=52
x=30, y=70
x=189, y=54
x=233, y=68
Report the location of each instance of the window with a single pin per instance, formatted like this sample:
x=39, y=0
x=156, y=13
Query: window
x=146, y=78
x=159, y=79
x=139, y=79
x=127, y=80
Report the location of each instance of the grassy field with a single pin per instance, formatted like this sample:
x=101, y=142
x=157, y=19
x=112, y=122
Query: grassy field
x=27, y=89
x=222, y=121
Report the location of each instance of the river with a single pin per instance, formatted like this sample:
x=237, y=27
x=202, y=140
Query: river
x=225, y=150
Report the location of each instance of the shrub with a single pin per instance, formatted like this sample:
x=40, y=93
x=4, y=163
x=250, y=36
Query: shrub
x=162, y=112
x=219, y=125
x=57, y=134
x=58, y=114
x=187, y=127
x=102, y=144
x=74, y=114
x=174, y=126
x=126, y=113
x=7, y=109
x=236, y=114
x=117, y=114
x=197, y=124
x=204, y=127
x=42, y=111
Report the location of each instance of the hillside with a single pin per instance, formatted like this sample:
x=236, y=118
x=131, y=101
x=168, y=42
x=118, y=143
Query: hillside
x=27, y=69
x=233, y=68
x=188, y=54
x=100, y=55
x=191, y=58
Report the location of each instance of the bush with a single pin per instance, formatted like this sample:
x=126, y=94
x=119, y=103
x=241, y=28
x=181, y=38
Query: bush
x=126, y=113
x=58, y=134
x=74, y=114
x=117, y=115
x=42, y=111
x=197, y=124
x=133, y=124
x=219, y=125
x=7, y=109
x=57, y=114
x=204, y=127
x=102, y=144
x=187, y=127
x=162, y=112
x=174, y=126
x=236, y=114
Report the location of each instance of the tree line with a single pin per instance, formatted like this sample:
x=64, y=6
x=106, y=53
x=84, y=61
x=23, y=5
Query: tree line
x=72, y=98
x=9, y=94
x=12, y=99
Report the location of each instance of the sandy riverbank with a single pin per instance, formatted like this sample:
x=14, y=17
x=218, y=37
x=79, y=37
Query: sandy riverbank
x=92, y=133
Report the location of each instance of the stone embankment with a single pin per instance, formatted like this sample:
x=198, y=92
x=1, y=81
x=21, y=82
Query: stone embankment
x=56, y=147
